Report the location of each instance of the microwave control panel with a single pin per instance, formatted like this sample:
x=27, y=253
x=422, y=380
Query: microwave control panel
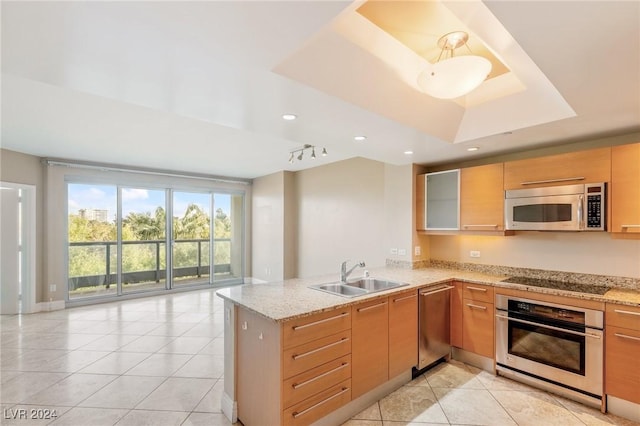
x=595, y=206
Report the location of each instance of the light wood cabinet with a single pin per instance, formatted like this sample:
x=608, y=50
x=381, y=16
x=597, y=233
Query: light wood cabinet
x=403, y=332
x=563, y=169
x=622, y=349
x=456, y=314
x=482, y=198
x=438, y=201
x=370, y=348
x=478, y=329
x=625, y=189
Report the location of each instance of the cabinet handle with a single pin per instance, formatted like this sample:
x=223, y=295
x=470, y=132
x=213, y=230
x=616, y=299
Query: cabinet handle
x=366, y=308
x=535, y=182
x=311, y=324
x=428, y=293
x=630, y=226
x=537, y=324
x=479, y=226
x=484, y=290
x=624, y=336
x=620, y=311
x=471, y=305
x=306, y=382
x=302, y=355
x=405, y=298
x=303, y=412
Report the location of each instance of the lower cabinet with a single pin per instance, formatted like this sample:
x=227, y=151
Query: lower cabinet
x=403, y=332
x=622, y=352
x=472, y=318
x=370, y=349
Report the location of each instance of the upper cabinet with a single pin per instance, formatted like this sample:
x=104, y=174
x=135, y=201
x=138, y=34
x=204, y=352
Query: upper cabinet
x=576, y=167
x=625, y=188
x=438, y=201
x=482, y=198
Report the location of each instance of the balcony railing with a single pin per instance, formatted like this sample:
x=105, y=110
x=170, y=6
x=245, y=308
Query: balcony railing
x=191, y=263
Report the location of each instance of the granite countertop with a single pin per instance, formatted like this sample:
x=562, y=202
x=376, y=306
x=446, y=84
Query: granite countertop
x=289, y=299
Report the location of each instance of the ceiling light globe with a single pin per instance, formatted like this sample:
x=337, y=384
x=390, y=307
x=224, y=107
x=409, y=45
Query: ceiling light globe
x=454, y=77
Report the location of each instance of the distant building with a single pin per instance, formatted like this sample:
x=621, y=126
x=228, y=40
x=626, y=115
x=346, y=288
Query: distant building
x=95, y=214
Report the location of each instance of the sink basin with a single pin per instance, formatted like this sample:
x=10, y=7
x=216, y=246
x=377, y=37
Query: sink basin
x=340, y=289
x=358, y=287
x=373, y=284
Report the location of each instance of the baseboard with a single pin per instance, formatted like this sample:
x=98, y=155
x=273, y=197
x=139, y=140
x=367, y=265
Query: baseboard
x=478, y=361
x=623, y=408
x=54, y=305
x=229, y=408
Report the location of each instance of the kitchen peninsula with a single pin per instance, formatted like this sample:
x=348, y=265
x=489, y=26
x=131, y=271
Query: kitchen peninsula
x=292, y=350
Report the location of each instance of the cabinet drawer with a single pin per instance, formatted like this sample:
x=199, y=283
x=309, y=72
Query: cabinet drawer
x=300, y=387
x=622, y=364
x=623, y=316
x=318, y=406
x=478, y=327
x=306, y=329
x=477, y=292
x=310, y=355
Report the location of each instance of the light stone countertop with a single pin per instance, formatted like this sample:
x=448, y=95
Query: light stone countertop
x=289, y=299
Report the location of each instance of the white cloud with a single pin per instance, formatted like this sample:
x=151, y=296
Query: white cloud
x=130, y=194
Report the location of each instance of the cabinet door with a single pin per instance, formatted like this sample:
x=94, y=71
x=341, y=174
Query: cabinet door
x=478, y=327
x=456, y=315
x=403, y=332
x=589, y=166
x=625, y=188
x=622, y=364
x=482, y=198
x=438, y=201
x=258, y=375
x=370, y=348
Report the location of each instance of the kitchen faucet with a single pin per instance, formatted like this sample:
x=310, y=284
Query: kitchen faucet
x=344, y=274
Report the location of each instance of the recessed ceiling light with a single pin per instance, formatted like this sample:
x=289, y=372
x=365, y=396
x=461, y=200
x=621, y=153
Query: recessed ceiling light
x=289, y=117
x=473, y=148
x=360, y=138
x=408, y=153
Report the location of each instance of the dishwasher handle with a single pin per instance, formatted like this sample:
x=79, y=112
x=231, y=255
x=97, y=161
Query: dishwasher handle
x=428, y=293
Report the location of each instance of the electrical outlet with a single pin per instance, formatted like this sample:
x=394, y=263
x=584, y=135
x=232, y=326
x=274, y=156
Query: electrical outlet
x=417, y=251
x=402, y=252
x=52, y=287
x=474, y=253
x=394, y=251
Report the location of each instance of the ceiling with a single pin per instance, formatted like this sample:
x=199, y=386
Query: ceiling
x=202, y=86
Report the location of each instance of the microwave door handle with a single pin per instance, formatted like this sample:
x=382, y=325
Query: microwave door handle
x=581, y=211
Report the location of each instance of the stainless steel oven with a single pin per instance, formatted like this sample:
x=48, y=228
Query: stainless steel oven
x=556, y=347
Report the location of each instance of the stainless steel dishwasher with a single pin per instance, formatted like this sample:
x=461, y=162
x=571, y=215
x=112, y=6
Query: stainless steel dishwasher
x=433, y=325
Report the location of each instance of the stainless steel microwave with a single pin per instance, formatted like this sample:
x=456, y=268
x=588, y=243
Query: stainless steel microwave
x=557, y=208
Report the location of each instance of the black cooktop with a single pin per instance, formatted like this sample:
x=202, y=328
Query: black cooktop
x=558, y=285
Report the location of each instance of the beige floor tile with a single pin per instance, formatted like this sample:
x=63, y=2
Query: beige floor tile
x=186, y=345
x=123, y=392
x=153, y=418
x=22, y=387
x=32, y=359
x=421, y=380
x=71, y=362
x=159, y=365
x=170, y=329
x=146, y=344
x=71, y=390
x=211, y=402
x=592, y=416
x=137, y=328
x=31, y=415
x=412, y=403
x=115, y=363
x=177, y=394
x=211, y=367
x=493, y=382
x=110, y=342
x=206, y=329
x=472, y=407
x=448, y=375
x=392, y=423
x=215, y=347
x=207, y=419
x=535, y=408
x=369, y=413
x=356, y=422
x=90, y=417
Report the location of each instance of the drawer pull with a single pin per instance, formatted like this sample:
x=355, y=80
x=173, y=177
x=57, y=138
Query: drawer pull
x=471, y=305
x=630, y=226
x=479, y=226
x=306, y=382
x=484, y=290
x=535, y=182
x=428, y=293
x=296, y=357
x=405, y=298
x=624, y=336
x=300, y=327
x=303, y=412
x=620, y=311
x=371, y=307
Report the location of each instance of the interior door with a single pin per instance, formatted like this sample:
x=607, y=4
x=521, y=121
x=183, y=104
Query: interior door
x=10, y=251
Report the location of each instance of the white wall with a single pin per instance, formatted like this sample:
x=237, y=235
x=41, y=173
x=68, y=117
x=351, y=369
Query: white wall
x=581, y=252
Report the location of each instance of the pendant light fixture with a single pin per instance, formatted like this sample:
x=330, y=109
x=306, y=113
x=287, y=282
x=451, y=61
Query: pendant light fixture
x=453, y=76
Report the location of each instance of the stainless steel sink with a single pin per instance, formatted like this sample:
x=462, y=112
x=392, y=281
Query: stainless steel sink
x=372, y=285
x=358, y=287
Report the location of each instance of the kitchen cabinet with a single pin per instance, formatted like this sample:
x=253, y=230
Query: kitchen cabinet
x=403, y=332
x=625, y=189
x=563, y=169
x=478, y=319
x=292, y=373
x=438, y=201
x=622, y=346
x=370, y=349
x=482, y=198
x=456, y=314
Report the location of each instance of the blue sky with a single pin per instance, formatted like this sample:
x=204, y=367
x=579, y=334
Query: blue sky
x=103, y=197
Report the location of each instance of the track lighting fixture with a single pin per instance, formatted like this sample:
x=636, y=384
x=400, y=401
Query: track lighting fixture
x=299, y=152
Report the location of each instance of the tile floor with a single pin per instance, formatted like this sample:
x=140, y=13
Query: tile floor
x=159, y=361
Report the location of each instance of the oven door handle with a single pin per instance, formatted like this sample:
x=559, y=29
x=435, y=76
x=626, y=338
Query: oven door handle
x=564, y=330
